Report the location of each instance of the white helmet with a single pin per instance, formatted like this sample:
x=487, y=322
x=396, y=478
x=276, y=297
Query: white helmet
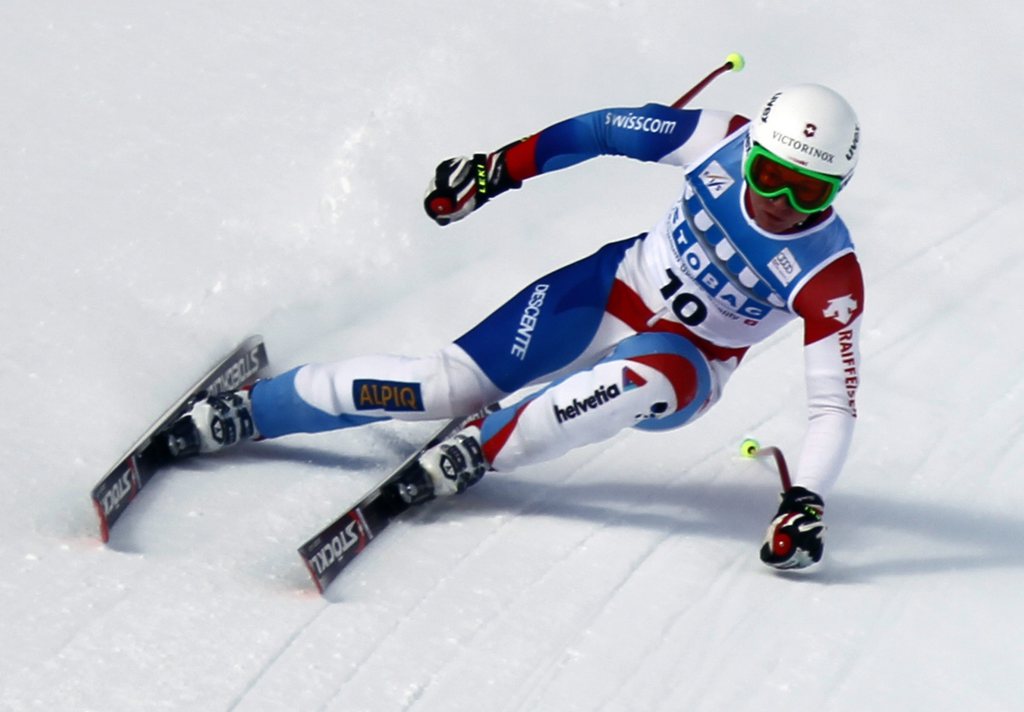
x=811, y=126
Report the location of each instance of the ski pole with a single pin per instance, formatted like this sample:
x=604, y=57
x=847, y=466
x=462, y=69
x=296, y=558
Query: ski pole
x=733, y=62
x=750, y=449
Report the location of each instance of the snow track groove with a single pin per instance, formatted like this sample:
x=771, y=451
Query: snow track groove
x=281, y=651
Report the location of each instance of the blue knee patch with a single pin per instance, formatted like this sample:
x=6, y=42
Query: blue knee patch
x=655, y=343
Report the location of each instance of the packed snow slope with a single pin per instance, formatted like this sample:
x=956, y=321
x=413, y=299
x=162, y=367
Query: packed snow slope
x=175, y=176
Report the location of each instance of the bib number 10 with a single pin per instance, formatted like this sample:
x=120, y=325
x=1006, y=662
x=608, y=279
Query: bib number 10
x=687, y=307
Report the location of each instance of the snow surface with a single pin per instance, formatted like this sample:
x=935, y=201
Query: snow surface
x=175, y=176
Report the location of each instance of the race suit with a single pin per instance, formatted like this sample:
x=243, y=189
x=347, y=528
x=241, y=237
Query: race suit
x=643, y=333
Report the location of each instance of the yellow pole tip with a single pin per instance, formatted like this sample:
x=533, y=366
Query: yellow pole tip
x=749, y=447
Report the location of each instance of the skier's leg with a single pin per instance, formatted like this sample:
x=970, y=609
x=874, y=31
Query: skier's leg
x=555, y=323
x=652, y=381
x=319, y=397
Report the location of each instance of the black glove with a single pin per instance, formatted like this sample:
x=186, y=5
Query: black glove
x=461, y=185
x=794, y=538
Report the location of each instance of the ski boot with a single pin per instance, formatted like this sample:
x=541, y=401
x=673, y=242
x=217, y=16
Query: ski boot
x=456, y=463
x=213, y=424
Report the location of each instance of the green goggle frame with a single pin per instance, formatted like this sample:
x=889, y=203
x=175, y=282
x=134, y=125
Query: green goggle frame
x=770, y=176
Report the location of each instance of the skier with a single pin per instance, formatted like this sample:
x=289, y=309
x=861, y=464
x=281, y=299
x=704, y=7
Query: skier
x=643, y=333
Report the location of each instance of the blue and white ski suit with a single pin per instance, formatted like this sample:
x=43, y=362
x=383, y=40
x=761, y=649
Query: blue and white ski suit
x=643, y=333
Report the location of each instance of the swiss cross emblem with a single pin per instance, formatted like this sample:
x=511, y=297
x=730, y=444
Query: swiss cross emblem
x=841, y=308
x=810, y=130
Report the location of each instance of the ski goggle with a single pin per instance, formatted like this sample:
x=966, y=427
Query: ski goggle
x=807, y=191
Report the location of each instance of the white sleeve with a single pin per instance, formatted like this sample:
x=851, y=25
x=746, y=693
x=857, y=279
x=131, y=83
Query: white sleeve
x=831, y=370
x=712, y=126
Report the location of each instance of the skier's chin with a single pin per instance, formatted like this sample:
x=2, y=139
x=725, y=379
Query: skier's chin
x=774, y=215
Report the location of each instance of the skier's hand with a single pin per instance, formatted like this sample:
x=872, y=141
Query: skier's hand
x=461, y=185
x=794, y=538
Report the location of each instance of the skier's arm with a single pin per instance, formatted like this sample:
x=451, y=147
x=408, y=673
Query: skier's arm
x=653, y=133
x=831, y=305
x=649, y=133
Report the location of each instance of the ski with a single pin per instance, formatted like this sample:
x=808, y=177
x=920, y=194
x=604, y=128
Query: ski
x=341, y=541
x=122, y=484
